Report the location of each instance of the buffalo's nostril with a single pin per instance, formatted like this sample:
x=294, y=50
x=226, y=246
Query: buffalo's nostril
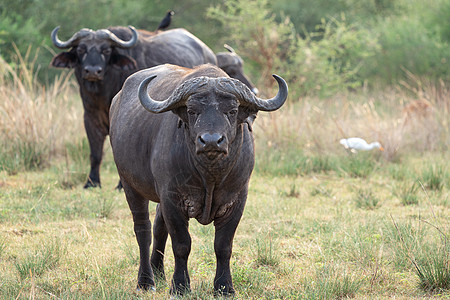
x=221, y=140
x=201, y=141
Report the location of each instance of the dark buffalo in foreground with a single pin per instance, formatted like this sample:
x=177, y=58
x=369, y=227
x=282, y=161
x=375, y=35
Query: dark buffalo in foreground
x=180, y=138
x=103, y=59
x=233, y=65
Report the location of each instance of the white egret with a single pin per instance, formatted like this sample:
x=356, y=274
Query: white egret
x=354, y=144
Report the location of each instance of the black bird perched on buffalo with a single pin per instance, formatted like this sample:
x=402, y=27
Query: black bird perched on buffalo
x=166, y=21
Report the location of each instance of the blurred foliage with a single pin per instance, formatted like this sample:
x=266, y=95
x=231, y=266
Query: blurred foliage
x=323, y=62
x=252, y=28
x=329, y=60
x=306, y=14
x=324, y=46
x=26, y=22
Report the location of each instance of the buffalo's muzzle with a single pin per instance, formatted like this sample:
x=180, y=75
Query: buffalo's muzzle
x=93, y=73
x=212, y=144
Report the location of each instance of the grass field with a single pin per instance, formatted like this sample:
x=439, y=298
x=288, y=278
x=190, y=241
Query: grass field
x=316, y=236
x=319, y=223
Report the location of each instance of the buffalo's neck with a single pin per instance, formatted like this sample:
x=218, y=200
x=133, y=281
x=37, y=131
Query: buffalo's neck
x=101, y=92
x=96, y=106
x=96, y=103
x=215, y=177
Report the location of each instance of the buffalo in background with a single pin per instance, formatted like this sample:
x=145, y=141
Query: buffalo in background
x=233, y=65
x=180, y=138
x=103, y=59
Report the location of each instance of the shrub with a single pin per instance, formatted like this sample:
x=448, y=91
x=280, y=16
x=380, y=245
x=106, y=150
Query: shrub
x=328, y=60
x=252, y=27
x=324, y=62
x=397, y=36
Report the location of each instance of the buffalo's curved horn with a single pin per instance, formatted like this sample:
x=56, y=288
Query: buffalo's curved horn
x=70, y=42
x=177, y=99
x=119, y=42
x=229, y=48
x=270, y=104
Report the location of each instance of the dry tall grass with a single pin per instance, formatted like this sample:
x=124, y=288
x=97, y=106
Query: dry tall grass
x=41, y=117
x=46, y=117
x=316, y=125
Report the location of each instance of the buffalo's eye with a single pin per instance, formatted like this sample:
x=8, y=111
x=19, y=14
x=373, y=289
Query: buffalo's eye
x=233, y=112
x=107, y=51
x=81, y=50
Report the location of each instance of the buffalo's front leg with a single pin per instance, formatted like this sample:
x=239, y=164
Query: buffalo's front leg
x=160, y=234
x=177, y=225
x=143, y=230
x=96, y=137
x=223, y=245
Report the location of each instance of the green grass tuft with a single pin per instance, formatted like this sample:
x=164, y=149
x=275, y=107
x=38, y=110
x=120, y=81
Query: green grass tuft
x=426, y=252
x=2, y=247
x=322, y=190
x=407, y=193
x=38, y=262
x=433, y=270
x=20, y=156
x=365, y=198
x=266, y=252
x=433, y=178
x=360, y=165
x=330, y=283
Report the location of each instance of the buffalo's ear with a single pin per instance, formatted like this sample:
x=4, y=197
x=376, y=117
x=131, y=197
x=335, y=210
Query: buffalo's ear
x=123, y=62
x=244, y=112
x=181, y=112
x=64, y=60
x=246, y=115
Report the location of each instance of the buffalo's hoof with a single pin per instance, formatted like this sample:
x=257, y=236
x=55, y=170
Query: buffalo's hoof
x=145, y=288
x=91, y=184
x=224, y=292
x=180, y=291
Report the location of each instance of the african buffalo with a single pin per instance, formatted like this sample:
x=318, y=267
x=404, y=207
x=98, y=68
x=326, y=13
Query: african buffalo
x=233, y=65
x=191, y=151
x=103, y=59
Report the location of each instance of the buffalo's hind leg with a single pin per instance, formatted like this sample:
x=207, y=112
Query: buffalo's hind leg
x=160, y=234
x=143, y=230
